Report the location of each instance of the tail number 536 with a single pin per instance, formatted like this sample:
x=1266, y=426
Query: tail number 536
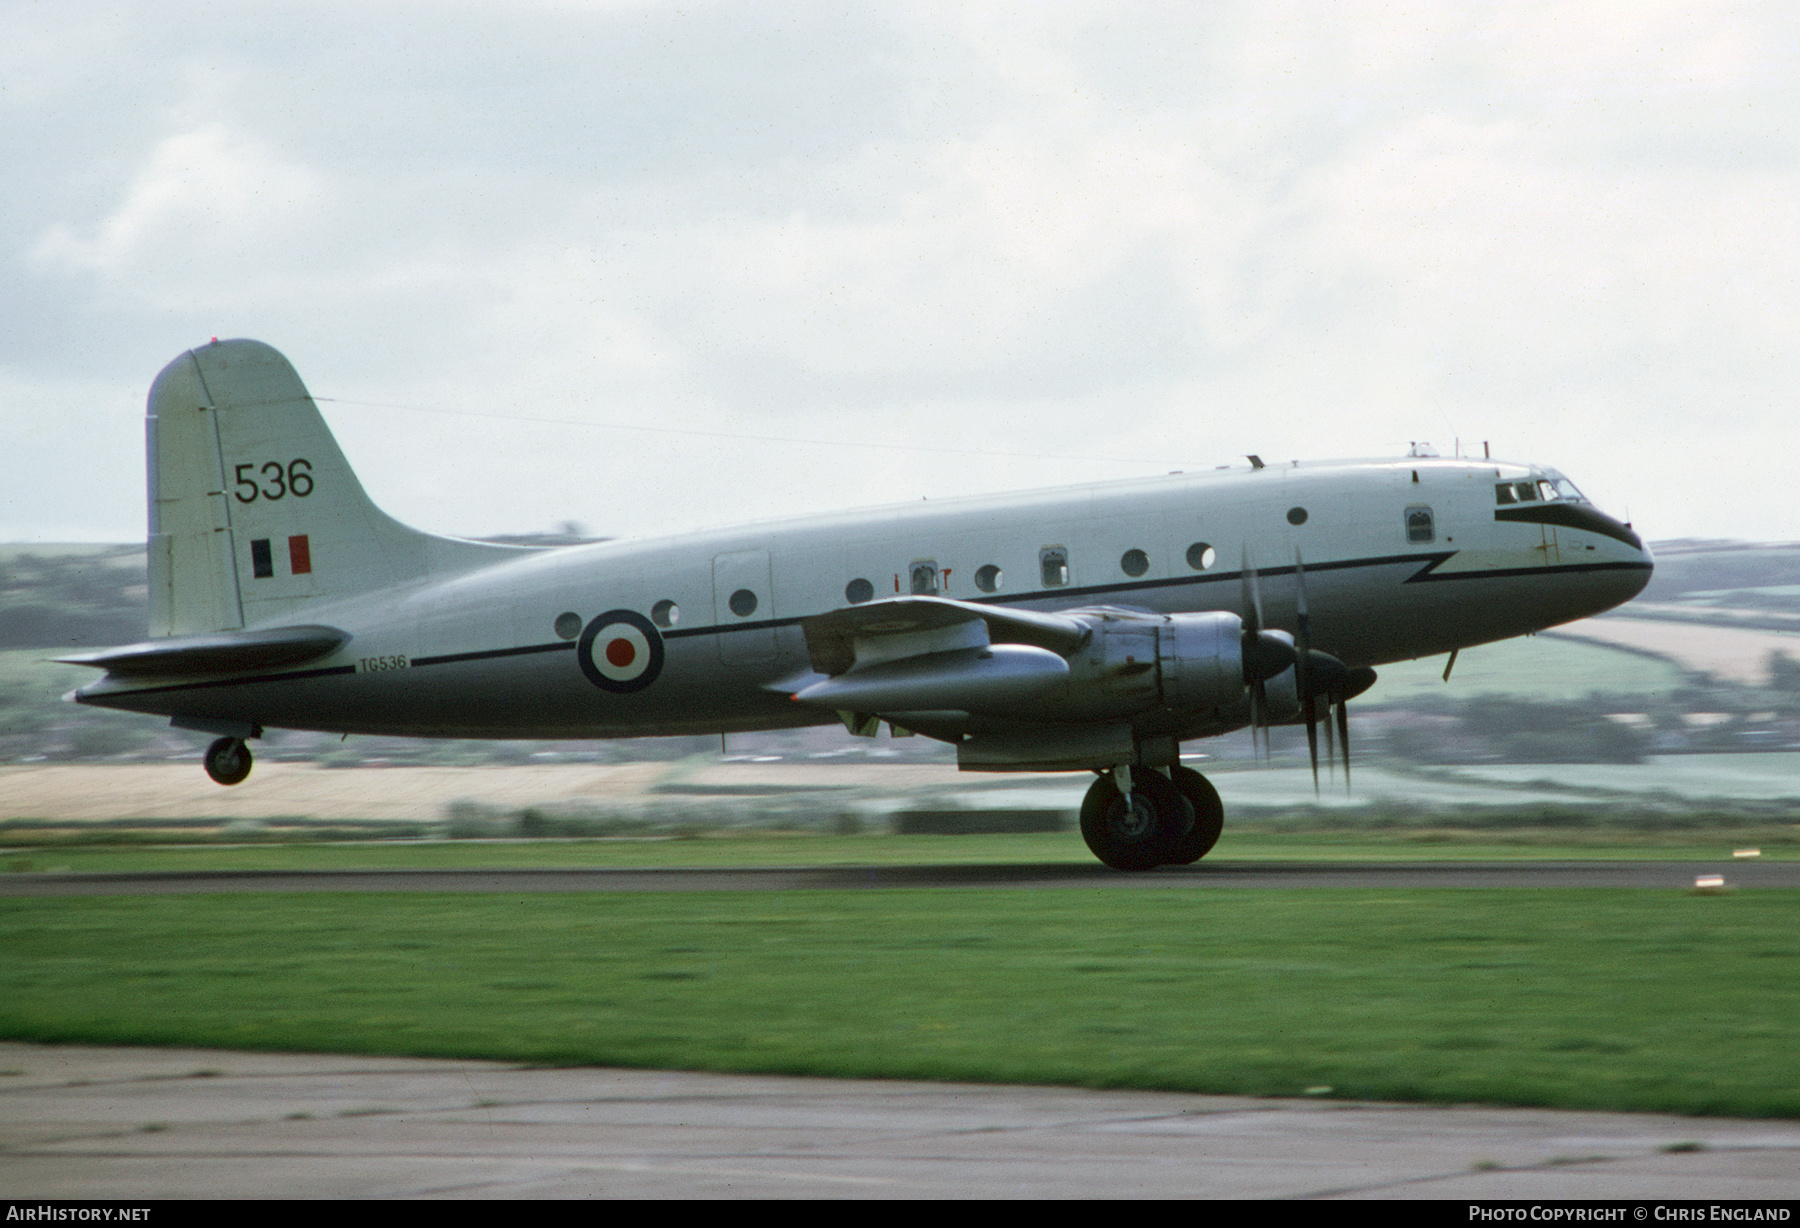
x=277, y=482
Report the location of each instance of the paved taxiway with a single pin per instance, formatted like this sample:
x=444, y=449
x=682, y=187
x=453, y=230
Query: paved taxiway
x=1466, y=874
x=80, y=1122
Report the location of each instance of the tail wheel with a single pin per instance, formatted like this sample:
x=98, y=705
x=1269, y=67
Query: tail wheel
x=228, y=761
x=1209, y=817
x=1136, y=830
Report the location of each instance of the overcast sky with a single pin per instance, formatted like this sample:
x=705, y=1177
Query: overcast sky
x=1017, y=246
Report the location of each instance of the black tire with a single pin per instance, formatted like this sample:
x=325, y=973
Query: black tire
x=1209, y=817
x=228, y=761
x=1135, y=831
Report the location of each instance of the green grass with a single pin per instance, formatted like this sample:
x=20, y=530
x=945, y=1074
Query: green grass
x=1530, y=667
x=1611, y=999
x=761, y=849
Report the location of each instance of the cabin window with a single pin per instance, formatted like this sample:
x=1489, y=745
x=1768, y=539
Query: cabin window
x=666, y=614
x=1528, y=491
x=1504, y=493
x=1419, y=529
x=858, y=591
x=1296, y=516
x=1201, y=556
x=1134, y=562
x=568, y=626
x=742, y=603
x=988, y=578
x=1053, y=562
x=924, y=573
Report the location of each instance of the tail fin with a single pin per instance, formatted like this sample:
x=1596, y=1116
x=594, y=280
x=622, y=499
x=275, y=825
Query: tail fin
x=254, y=512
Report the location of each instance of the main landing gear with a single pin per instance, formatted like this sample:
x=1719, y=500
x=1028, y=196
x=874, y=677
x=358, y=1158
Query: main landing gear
x=1156, y=820
x=228, y=761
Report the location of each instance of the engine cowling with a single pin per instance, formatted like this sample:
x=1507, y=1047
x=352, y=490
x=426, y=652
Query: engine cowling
x=1135, y=661
x=1115, y=665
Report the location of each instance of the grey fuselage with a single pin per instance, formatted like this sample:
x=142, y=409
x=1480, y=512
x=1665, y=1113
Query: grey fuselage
x=488, y=652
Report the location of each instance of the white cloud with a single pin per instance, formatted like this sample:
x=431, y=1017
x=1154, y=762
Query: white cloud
x=204, y=193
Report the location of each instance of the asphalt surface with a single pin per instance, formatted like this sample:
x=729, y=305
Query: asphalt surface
x=1290, y=875
x=79, y=1122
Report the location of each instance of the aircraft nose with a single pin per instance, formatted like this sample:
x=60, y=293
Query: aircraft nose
x=1624, y=578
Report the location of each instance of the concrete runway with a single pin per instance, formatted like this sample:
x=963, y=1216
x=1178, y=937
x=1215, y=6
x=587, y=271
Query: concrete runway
x=1290, y=875
x=79, y=1122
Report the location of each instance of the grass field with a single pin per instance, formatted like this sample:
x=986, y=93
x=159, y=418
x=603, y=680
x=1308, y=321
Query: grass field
x=762, y=849
x=1535, y=668
x=1602, y=999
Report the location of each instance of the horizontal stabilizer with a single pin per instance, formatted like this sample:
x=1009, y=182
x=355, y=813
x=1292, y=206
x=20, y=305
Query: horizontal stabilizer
x=219, y=653
x=832, y=640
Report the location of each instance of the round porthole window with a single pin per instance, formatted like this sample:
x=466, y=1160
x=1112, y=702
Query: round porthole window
x=743, y=603
x=1134, y=562
x=1201, y=556
x=665, y=614
x=1296, y=515
x=568, y=626
x=988, y=578
x=858, y=591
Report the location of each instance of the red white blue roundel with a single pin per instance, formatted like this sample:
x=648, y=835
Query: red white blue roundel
x=620, y=651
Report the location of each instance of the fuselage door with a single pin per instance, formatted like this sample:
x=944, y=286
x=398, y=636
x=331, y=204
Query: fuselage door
x=743, y=604
x=1552, y=552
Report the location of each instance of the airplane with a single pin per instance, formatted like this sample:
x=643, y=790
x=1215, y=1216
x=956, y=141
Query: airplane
x=1092, y=628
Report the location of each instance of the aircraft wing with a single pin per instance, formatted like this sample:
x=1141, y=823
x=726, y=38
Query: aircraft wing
x=862, y=635
x=935, y=653
x=220, y=652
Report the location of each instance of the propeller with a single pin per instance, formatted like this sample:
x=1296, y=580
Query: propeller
x=1319, y=674
x=1254, y=653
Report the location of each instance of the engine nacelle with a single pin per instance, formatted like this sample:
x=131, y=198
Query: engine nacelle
x=1201, y=660
x=1134, y=662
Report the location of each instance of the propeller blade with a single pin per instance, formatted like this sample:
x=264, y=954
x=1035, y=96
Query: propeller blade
x=1303, y=674
x=1309, y=710
x=1253, y=613
x=1343, y=724
x=1330, y=745
x=1253, y=623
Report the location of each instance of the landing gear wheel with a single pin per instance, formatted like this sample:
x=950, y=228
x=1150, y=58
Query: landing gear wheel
x=228, y=761
x=1209, y=817
x=1136, y=830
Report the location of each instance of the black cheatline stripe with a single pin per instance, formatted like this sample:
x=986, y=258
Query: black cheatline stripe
x=452, y=658
x=1429, y=575
x=1431, y=562
x=761, y=624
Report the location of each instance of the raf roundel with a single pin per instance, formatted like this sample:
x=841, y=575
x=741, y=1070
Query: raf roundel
x=620, y=651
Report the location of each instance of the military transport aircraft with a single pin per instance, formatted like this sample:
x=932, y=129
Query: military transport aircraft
x=1093, y=628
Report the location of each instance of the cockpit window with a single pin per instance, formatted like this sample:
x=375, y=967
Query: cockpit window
x=1543, y=490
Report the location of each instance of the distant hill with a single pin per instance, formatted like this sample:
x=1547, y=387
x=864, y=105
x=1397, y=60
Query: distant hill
x=72, y=596
x=1723, y=583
